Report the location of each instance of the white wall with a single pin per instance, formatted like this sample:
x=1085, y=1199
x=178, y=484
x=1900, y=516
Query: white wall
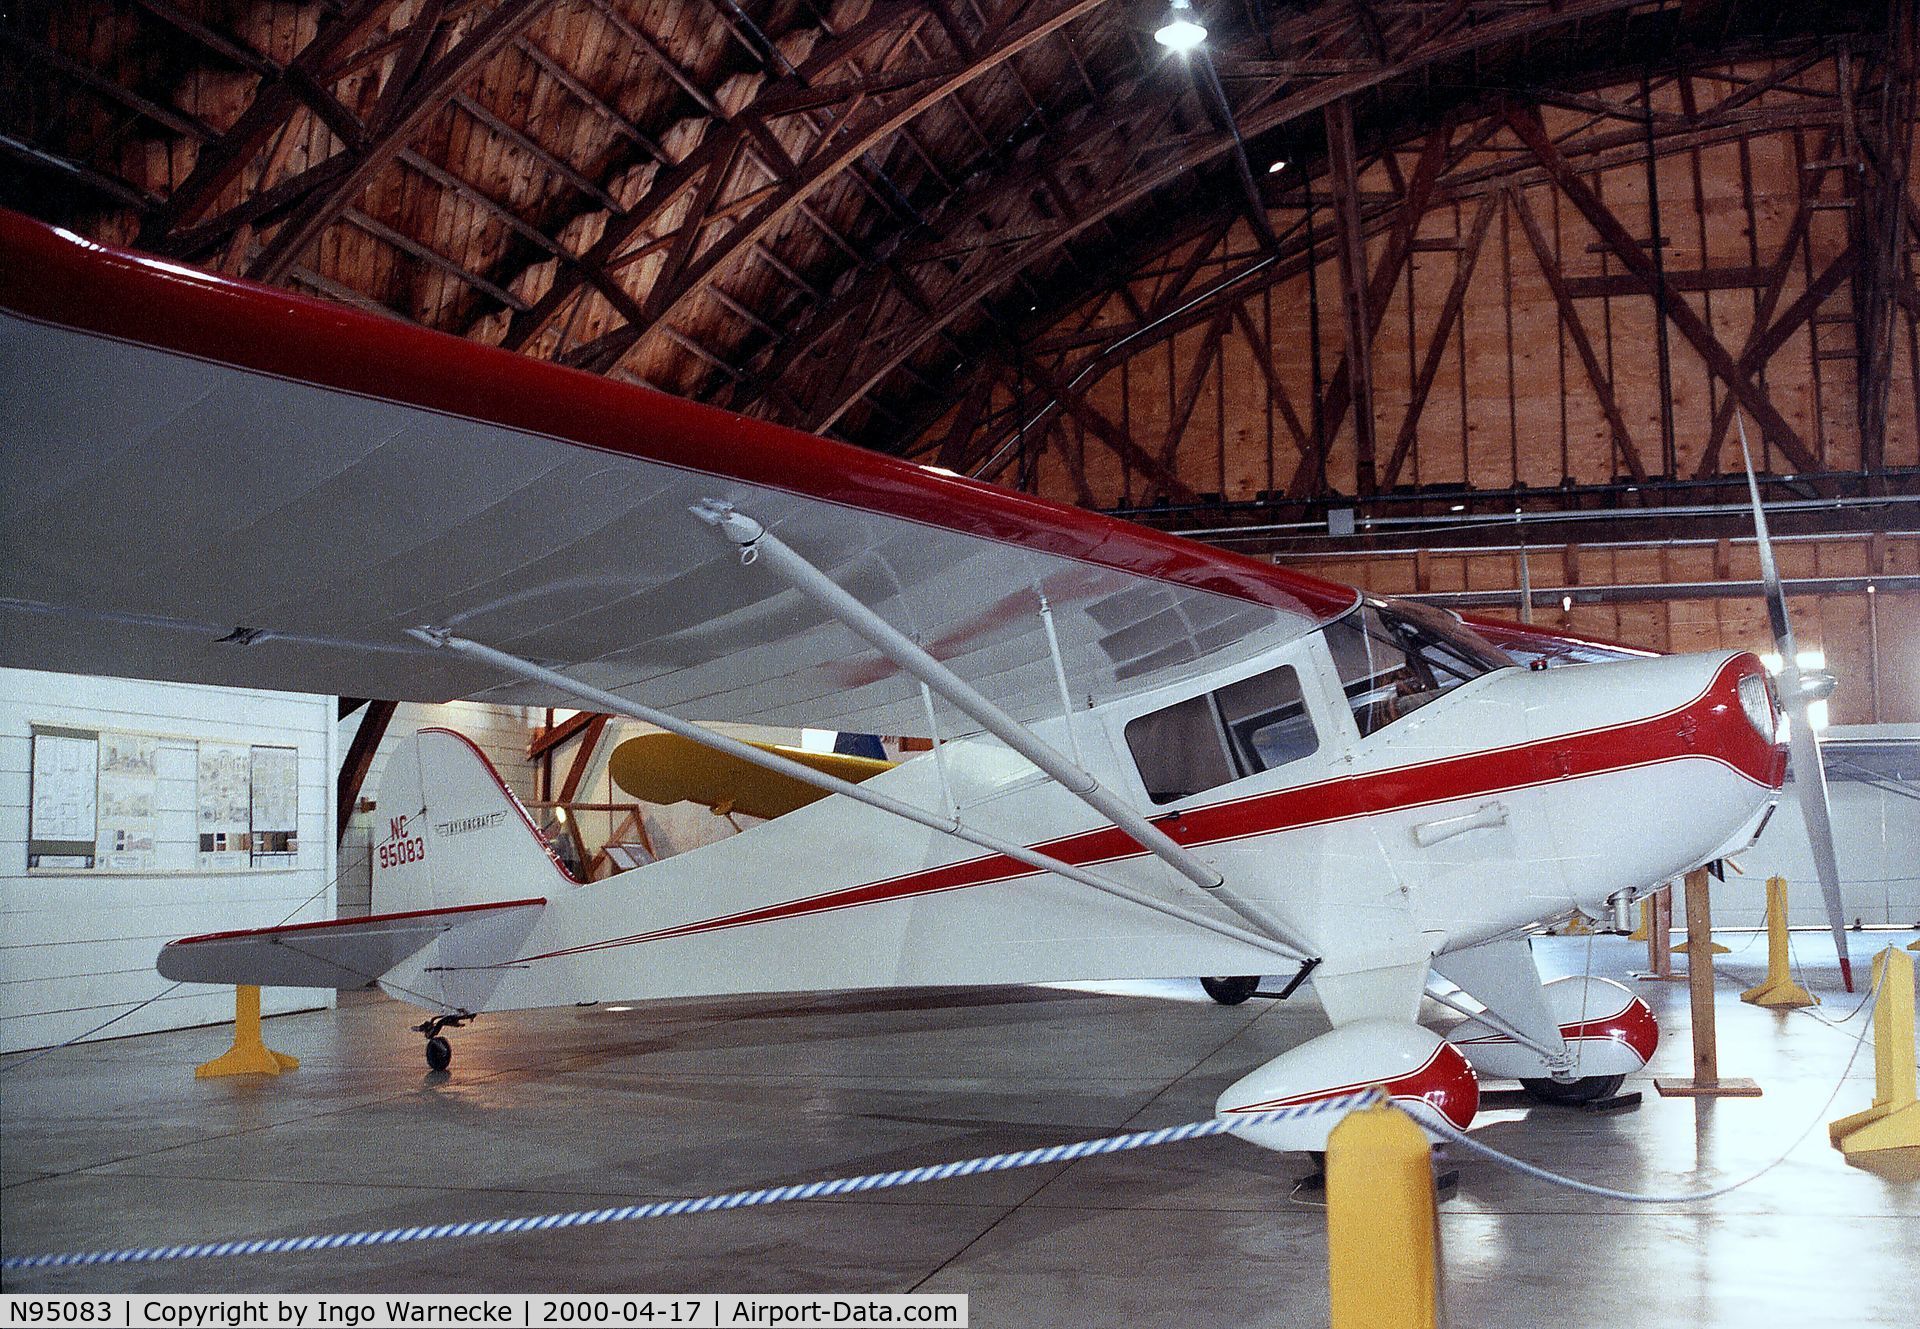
x=1876, y=843
x=502, y=732
x=78, y=948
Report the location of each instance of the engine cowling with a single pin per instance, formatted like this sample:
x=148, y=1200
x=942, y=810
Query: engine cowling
x=1609, y=1031
x=1418, y=1069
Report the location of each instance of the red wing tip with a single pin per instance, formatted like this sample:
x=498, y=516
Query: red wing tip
x=1846, y=972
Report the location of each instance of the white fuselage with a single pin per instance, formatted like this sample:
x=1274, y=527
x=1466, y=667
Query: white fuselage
x=1510, y=800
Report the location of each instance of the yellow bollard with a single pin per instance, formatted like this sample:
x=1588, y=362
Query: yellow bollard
x=1383, y=1240
x=1893, y=1122
x=1779, y=990
x=249, y=1054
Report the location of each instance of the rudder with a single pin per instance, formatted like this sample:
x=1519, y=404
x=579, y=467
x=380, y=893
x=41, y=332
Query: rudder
x=451, y=833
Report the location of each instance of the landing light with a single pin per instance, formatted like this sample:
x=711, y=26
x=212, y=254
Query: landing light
x=1277, y=167
x=1182, y=31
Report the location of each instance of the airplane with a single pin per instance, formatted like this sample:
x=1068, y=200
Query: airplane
x=1151, y=758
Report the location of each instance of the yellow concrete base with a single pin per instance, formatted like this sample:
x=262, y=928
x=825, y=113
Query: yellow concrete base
x=1779, y=991
x=1382, y=1229
x=1893, y=1122
x=1686, y=948
x=1877, y=1128
x=249, y=1054
x=1779, y=994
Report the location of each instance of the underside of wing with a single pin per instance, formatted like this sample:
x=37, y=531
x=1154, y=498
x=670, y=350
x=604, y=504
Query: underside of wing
x=343, y=953
x=210, y=481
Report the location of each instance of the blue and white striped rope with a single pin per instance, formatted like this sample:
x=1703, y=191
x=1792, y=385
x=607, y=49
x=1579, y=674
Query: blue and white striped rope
x=873, y=1181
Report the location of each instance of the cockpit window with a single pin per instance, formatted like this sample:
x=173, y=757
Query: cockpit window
x=1207, y=741
x=1394, y=657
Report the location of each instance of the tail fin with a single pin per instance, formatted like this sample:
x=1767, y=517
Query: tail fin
x=451, y=833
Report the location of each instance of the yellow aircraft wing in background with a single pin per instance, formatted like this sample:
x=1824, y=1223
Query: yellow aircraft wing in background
x=665, y=768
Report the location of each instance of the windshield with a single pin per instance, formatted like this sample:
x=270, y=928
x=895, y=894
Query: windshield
x=1394, y=657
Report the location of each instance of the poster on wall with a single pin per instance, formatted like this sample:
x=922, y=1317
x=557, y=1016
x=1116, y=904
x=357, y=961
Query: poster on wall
x=226, y=796
x=110, y=801
x=176, y=838
x=127, y=802
x=276, y=804
x=61, y=821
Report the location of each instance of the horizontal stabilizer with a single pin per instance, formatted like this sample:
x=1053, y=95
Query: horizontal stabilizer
x=337, y=953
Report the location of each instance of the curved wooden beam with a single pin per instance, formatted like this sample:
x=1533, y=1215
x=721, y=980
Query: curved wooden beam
x=719, y=148
x=1117, y=129
x=405, y=105
x=275, y=102
x=882, y=114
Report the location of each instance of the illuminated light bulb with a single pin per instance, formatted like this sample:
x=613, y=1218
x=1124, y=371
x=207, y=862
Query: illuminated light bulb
x=1182, y=31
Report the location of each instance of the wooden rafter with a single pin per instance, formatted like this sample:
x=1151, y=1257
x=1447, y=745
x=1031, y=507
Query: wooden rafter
x=834, y=156
x=273, y=105
x=359, y=760
x=1116, y=126
x=403, y=108
x=1468, y=256
x=1575, y=328
x=1527, y=124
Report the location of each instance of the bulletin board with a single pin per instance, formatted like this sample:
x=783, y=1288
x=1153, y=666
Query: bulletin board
x=110, y=801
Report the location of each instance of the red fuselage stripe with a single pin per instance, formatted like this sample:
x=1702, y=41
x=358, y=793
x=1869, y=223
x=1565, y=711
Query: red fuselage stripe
x=1710, y=727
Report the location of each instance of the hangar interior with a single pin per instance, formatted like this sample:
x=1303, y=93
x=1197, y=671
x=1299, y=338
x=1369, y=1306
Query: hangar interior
x=1462, y=301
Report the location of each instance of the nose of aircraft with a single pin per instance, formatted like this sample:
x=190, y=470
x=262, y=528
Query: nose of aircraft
x=1666, y=763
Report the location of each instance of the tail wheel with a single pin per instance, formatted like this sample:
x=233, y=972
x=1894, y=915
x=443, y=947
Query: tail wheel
x=439, y=1053
x=1589, y=1089
x=1231, y=991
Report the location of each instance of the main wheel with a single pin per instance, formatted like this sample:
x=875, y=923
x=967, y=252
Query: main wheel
x=439, y=1053
x=1231, y=991
x=1589, y=1089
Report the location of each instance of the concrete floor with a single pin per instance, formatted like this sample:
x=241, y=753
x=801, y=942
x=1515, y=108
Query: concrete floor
x=116, y=1144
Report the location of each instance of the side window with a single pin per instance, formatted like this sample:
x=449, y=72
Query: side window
x=1266, y=720
x=1178, y=750
x=1211, y=740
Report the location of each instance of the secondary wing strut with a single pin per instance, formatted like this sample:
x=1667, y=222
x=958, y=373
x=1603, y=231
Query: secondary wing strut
x=757, y=543
x=613, y=703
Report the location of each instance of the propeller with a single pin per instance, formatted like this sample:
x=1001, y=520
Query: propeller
x=1799, y=689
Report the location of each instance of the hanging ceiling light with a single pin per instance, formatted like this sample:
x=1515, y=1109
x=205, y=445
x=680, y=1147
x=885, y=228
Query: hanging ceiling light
x=1181, y=31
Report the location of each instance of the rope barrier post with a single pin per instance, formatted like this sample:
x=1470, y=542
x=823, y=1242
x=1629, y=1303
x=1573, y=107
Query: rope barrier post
x=1383, y=1233
x=1893, y=1122
x=1779, y=991
x=249, y=1054
x=1706, y=1081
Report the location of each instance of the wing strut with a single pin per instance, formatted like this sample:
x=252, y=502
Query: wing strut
x=615, y=704
x=756, y=543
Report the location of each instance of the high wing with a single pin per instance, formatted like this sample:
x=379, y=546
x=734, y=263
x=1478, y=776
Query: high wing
x=211, y=481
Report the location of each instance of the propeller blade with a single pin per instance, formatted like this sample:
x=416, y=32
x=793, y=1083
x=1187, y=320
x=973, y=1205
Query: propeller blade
x=1803, y=745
